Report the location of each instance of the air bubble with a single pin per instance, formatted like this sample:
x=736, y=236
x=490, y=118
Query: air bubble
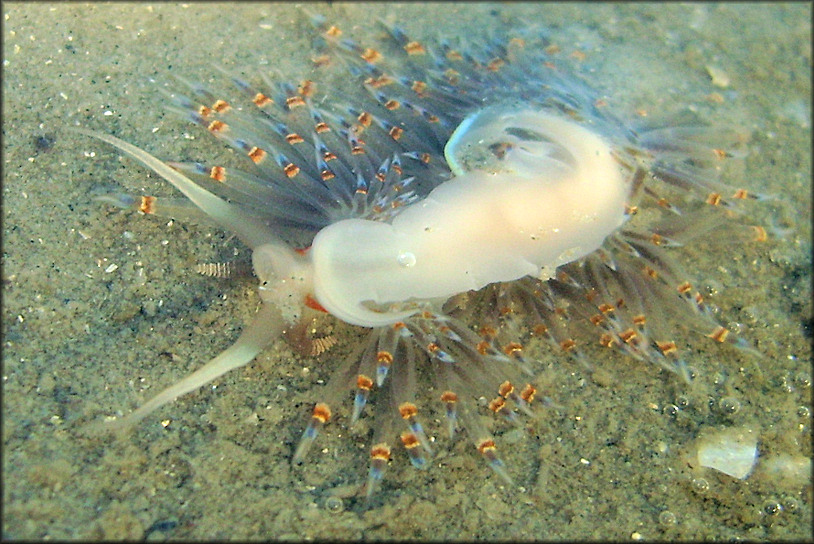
x=803, y=378
x=671, y=411
x=773, y=507
x=667, y=519
x=682, y=401
x=406, y=259
x=751, y=314
x=334, y=505
x=711, y=288
x=730, y=406
x=735, y=327
x=700, y=485
x=784, y=384
x=790, y=504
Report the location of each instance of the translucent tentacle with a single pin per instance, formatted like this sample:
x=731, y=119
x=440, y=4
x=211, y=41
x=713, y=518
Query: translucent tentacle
x=252, y=232
x=268, y=324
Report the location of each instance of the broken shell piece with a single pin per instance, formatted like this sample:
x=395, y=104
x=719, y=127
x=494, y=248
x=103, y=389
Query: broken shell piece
x=718, y=76
x=731, y=451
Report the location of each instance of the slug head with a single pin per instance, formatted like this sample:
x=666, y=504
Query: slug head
x=286, y=278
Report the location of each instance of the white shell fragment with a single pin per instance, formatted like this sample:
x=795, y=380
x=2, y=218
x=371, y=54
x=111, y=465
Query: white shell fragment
x=719, y=77
x=731, y=451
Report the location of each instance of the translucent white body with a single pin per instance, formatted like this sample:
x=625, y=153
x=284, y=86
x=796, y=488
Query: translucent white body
x=531, y=191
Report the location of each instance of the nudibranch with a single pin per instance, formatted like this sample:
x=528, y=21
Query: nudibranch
x=456, y=203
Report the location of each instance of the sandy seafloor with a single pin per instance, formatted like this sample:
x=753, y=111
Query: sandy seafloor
x=80, y=343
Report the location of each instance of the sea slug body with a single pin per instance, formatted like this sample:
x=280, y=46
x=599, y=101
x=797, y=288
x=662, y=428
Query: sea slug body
x=461, y=202
x=553, y=197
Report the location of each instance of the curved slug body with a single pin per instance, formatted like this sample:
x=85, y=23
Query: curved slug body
x=532, y=192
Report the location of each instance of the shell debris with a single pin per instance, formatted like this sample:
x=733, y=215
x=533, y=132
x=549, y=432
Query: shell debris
x=718, y=76
x=224, y=270
x=732, y=451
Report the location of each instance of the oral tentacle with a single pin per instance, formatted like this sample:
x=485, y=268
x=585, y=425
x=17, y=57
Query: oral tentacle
x=267, y=325
x=251, y=231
